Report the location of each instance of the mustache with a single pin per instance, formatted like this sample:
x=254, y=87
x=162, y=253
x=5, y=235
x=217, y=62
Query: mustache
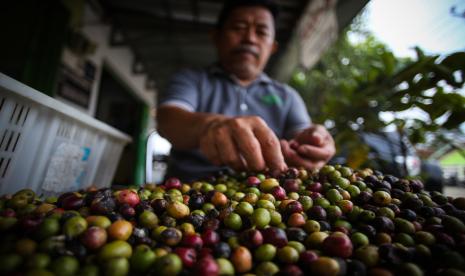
x=247, y=48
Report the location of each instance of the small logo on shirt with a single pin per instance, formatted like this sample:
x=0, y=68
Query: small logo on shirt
x=272, y=99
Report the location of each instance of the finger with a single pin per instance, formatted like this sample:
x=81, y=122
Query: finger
x=289, y=153
x=208, y=145
x=209, y=149
x=271, y=148
x=314, y=135
x=316, y=139
x=295, y=160
x=314, y=152
x=293, y=144
x=244, y=165
x=285, y=149
x=305, y=163
x=227, y=149
x=318, y=165
x=249, y=148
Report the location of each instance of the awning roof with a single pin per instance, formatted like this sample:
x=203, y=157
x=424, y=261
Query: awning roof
x=166, y=35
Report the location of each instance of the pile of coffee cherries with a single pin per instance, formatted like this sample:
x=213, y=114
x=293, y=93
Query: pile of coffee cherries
x=334, y=221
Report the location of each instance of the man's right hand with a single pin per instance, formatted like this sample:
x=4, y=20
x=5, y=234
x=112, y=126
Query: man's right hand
x=242, y=143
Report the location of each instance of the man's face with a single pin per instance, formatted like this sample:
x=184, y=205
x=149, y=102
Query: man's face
x=246, y=41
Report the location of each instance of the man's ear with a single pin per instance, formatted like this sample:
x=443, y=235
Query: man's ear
x=275, y=47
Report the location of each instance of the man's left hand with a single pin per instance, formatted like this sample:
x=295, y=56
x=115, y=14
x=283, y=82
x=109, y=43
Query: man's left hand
x=310, y=149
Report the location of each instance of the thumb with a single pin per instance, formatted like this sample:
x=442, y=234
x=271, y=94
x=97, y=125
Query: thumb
x=316, y=139
x=311, y=136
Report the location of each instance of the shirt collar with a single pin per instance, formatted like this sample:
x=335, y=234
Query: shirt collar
x=215, y=69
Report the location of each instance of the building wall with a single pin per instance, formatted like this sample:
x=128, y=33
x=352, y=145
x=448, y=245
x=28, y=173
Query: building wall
x=88, y=54
x=118, y=60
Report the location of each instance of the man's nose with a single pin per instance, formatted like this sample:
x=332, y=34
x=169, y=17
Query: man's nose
x=250, y=35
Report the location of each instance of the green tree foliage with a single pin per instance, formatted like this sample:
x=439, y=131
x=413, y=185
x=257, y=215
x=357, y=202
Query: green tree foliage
x=359, y=78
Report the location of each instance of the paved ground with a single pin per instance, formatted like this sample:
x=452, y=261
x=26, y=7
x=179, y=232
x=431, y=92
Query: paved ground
x=454, y=191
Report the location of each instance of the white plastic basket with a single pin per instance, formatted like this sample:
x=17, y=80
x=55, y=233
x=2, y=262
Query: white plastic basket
x=50, y=147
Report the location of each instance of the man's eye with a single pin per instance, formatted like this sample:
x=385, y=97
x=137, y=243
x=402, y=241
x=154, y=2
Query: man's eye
x=239, y=27
x=263, y=32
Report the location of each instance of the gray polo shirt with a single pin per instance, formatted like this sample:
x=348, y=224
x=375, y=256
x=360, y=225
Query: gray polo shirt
x=212, y=90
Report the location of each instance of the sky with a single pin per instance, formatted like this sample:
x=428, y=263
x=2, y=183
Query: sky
x=403, y=24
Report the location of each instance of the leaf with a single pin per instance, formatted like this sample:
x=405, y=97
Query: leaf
x=412, y=69
x=417, y=136
x=454, y=100
x=419, y=52
x=434, y=111
x=442, y=72
x=372, y=75
x=389, y=62
x=455, y=61
x=455, y=119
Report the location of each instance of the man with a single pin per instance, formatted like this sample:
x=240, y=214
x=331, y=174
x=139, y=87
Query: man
x=232, y=114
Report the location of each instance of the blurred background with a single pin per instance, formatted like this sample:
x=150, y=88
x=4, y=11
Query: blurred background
x=385, y=77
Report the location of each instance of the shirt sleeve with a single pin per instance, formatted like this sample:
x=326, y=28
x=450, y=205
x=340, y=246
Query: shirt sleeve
x=182, y=91
x=297, y=117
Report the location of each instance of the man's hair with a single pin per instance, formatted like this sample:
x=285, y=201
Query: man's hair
x=230, y=5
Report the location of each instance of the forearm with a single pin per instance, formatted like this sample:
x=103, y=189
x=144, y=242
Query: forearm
x=183, y=128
